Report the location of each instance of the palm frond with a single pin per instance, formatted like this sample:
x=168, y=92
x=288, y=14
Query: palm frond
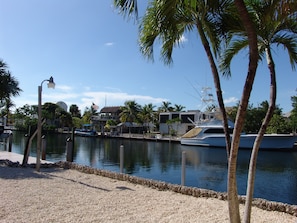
x=127, y=7
x=289, y=42
x=227, y=56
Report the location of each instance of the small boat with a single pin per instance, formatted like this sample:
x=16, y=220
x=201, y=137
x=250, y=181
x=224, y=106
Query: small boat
x=87, y=131
x=211, y=133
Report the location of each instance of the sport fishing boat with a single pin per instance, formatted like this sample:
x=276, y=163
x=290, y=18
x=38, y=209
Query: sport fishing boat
x=211, y=133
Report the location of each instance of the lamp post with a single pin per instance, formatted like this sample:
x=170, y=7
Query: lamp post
x=51, y=84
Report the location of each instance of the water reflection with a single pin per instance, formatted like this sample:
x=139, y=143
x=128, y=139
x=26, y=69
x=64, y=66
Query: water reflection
x=205, y=167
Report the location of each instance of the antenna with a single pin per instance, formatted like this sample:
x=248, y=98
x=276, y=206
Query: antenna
x=207, y=97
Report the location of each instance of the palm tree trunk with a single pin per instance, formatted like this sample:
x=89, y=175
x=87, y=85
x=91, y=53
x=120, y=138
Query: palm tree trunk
x=217, y=83
x=233, y=202
x=254, y=155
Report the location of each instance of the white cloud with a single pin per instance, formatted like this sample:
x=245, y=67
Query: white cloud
x=109, y=44
x=85, y=97
x=63, y=87
x=117, y=99
x=231, y=100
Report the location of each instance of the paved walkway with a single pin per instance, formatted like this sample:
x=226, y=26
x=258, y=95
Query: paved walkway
x=15, y=157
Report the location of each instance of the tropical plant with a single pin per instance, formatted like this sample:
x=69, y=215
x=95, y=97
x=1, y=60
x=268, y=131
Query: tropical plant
x=167, y=15
x=130, y=112
x=89, y=113
x=74, y=110
x=279, y=29
x=241, y=9
x=255, y=116
x=293, y=115
x=169, y=20
x=146, y=115
x=77, y=122
x=278, y=124
x=170, y=123
x=179, y=108
x=9, y=87
x=25, y=116
x=64, y=118
x=109, y=123
x=165, y=107
x=8, y=103
x=49, y=113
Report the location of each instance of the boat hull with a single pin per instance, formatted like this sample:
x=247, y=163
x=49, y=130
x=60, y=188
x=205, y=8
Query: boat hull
x=269, y=141
x=86, y=133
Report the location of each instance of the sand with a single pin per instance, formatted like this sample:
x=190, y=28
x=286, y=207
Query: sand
x=67, y=195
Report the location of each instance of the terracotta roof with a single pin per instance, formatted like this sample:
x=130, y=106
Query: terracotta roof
x=111, y=109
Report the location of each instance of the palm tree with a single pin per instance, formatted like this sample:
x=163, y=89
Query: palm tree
x=168, y=20
x=279, y=29
x=248, y=25
x=130, y=112
x=170, y=11
x=74, y=110
x=179, y=108
x=89, y=113
x=127, y=7
x=166, y=107
x=8, y=104
x=146, y=114
x=9, y=86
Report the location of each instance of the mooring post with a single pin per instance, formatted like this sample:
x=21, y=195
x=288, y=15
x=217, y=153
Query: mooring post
x=43, y=147
x=10, y=142
x=73, y=140
x=121, y=158
x=183, y=169
x=69, y=151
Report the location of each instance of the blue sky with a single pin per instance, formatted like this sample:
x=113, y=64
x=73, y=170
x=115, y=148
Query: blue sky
x=93, y=54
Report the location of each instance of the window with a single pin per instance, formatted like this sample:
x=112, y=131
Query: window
x=174, y=116
x=164, y=118
x=185, y=118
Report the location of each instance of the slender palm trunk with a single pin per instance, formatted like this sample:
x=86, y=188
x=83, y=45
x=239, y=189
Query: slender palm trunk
x=254, y=155
x=217, y=83
x=233, y=202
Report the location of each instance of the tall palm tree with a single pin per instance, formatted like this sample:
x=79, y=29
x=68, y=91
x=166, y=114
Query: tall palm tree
x=240, y=14
x=280, y=29
x=9, y=86
x=253, y=59
x=146, y=114
x=127, y=7
x=166, y=107
x=179, y=108
x=130, y=112
x=8, y=103
x=169, y=20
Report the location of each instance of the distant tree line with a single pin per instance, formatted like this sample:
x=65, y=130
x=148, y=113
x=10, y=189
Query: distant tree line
x=133, y=112
x=59, y=118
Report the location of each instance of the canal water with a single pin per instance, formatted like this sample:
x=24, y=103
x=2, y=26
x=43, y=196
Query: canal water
x=276, y=177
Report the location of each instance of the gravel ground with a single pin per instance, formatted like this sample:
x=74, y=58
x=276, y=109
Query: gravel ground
x=65, y=195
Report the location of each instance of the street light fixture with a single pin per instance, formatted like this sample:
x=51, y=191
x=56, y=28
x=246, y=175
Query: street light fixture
x=51, y=84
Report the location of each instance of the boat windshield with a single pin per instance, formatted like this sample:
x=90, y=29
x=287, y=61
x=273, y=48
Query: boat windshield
x=193, y=132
